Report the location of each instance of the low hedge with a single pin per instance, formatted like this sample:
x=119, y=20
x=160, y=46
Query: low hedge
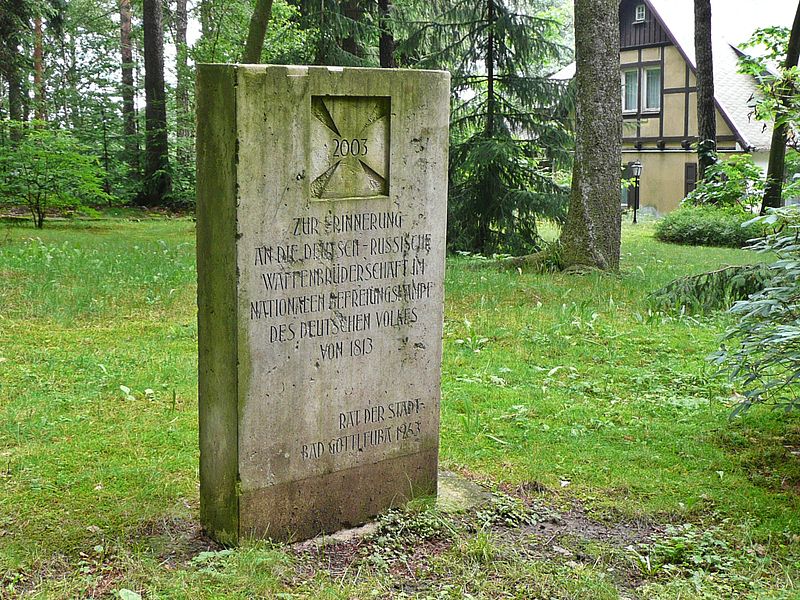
x=707, y=226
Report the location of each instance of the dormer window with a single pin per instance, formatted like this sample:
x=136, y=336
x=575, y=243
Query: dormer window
x=640, y=13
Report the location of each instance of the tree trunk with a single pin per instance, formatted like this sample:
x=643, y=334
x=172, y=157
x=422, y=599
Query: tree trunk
x=258, y=29
x=69, y=59
x=706, y=108
x=205, y=18
x=490, y=60
x=183, y=117
x=386, y=42
x=591, y=234
x=14, y=93
x=777, y=153
x=128, y=90
x=65, y=104
x=38, y=70
x=157, y=182
x=106, y=157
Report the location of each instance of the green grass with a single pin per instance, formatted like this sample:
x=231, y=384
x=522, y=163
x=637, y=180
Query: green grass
x=566, y=385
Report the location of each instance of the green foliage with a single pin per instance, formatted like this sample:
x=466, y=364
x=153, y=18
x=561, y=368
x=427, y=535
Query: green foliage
x=761, y=352
x=341, y=33
x=225, y=25
x=509, y=119
x=779, y=90
x=707, y=226
x=82, y=64
x=735, y=182
x=692, y=548
x=498, y=189
x=711, y=291
x=401, y=530
x=44, y=169
x=791, y=189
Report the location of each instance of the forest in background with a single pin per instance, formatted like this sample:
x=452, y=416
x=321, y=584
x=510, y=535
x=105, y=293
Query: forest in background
x=97, y=96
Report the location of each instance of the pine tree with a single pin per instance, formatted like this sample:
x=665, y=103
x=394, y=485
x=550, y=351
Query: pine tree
x=345, y=32
x=128, y=90
x=508, y=123
x=157, y=179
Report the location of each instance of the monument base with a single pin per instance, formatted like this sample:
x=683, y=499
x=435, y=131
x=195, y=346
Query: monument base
x=298, y=510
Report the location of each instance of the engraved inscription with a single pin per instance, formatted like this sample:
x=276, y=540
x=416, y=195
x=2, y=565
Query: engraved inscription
x=349, y=147
x=342, y=285
x=385, y=424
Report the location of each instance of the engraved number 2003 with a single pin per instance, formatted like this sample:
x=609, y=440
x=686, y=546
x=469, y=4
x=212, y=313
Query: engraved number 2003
x=354, y=147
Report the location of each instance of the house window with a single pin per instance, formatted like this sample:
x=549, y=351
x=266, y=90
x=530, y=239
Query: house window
x=652, y=89
x=640, y=14
x=630, y=91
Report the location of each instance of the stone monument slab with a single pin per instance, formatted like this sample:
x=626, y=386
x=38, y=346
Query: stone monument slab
x=321, y=209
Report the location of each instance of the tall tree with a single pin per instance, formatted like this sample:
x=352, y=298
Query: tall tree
x=506, y=128
x=257, y=31
x=786, y=91
x=706, y=108
x=386, y=41
x=157, y=181
x=38, y=69
x=14, y=27
x=183, y=127
x=128, y=90
x=591, y=234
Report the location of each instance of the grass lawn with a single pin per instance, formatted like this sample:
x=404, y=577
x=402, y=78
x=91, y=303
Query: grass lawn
x=598, y=425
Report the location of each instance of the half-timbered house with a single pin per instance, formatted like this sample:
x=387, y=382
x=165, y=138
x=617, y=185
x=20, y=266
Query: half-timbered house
x=659, y=101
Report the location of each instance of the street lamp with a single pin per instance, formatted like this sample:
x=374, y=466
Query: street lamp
x=636, y=168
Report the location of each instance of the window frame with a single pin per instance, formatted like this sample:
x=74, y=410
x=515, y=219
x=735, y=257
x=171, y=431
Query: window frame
x=640, y=13
x=636, y=96
x=646, y=108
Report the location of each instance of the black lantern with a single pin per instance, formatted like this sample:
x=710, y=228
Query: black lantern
x=636, y=169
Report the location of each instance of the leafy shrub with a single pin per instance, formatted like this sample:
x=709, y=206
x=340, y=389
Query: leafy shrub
x=762, y=350
x=707, y=226
x=42, y=169
x=733, y=183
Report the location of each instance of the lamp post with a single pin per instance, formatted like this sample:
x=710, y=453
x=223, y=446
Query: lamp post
x=637, y=173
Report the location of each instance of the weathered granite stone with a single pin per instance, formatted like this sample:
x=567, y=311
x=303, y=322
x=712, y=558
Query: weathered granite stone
x=321, y=208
